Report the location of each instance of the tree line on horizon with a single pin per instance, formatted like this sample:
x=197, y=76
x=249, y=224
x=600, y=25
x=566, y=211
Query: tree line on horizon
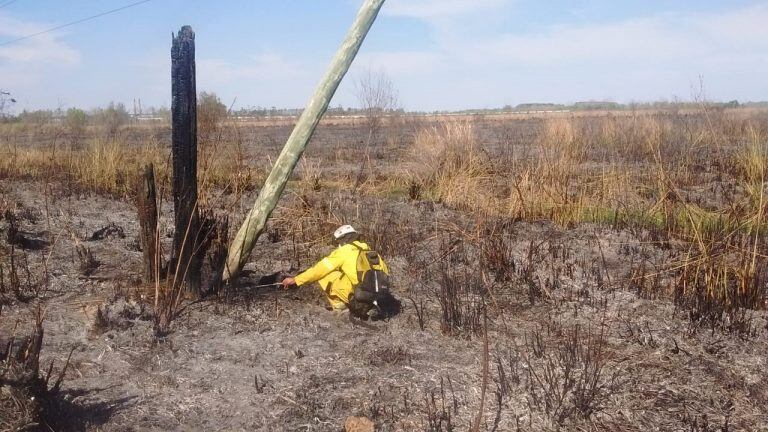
x=117, y=112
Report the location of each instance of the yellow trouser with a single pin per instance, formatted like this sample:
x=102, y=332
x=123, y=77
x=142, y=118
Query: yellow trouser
x=337, y=289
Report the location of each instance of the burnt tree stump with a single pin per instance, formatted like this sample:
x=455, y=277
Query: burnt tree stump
x=146, y=203
x=187, y=260
x=218, y=253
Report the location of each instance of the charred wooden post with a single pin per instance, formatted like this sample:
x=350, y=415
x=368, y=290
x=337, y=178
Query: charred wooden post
x=184, y=147
x=32, y=352
x=218, y=253
x=273, y=187
x=146, y=203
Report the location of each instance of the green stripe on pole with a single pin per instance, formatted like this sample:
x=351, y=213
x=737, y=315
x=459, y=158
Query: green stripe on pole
x=273, y=187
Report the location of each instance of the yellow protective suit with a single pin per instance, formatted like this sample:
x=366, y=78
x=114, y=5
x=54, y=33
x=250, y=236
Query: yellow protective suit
x=337, y=273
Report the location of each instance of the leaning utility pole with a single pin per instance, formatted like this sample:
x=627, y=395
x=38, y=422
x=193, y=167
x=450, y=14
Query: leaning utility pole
x=273, y=187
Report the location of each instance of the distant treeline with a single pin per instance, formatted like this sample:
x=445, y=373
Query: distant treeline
x=608, y=106
x=524, y=107
x=294, y=112
x=118, y=111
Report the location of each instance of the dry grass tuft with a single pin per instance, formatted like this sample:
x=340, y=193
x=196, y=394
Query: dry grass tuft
x=110, y=166
x=102, y=166
x=697, y=179
x=448, y=165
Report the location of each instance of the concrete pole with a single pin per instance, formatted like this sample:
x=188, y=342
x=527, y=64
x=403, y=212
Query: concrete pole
x=273, y=187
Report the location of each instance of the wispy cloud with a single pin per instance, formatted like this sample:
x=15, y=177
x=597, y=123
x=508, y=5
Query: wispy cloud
x=439, y=54
x=263, y=66
x=45, y=48
x=266, y=79
x=671, y=38
x=28, y=67
x=640, y=58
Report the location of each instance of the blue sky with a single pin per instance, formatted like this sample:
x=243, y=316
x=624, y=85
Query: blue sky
x=439, y=54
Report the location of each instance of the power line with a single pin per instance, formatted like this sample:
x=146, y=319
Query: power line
x=7, y=3
x=99, y=15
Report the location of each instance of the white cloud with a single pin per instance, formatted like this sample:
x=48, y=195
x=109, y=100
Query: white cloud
x=29, y=68
x=40, y=51
x=474, y=58
x=742, y=29
x=265, y=79
x=264, y=66
x=641, y=58
x=664, y=38
x=45, y=48
x=642, y=39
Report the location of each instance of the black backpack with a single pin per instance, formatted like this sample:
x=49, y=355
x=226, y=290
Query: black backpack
x=373, y=288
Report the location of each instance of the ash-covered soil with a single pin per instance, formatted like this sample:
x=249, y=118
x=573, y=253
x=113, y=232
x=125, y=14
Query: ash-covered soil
x=569, y=343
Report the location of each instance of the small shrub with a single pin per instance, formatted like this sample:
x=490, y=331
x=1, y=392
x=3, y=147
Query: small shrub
x=210, y=113
x=87, y=262
x=27, y=400
x=75, y=123
x=16, y=279
x=496, y=249
x=571, y=380
x=112, y=118
x=461, y=303
x=439, y=410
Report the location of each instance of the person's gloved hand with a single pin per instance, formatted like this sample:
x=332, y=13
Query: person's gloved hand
x=288, y=282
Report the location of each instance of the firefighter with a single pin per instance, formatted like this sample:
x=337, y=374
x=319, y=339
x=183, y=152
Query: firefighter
x=338, y=273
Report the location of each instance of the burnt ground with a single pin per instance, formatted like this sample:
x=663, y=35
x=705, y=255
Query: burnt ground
x=571, y=343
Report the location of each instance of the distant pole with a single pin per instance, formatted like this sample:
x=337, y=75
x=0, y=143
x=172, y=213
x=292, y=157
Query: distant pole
x=273, y=187
x=187, y=262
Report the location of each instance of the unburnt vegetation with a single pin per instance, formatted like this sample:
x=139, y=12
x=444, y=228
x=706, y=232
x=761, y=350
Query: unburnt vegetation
x=590, y=271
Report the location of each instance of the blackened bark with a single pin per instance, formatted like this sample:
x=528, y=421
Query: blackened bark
x=146, y=203
x=218, y=255
x=184, y=146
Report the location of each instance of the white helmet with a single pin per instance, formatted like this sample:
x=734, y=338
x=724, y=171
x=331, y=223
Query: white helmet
x=342, y=231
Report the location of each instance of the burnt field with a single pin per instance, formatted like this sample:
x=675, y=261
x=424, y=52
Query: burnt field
x=591, y=272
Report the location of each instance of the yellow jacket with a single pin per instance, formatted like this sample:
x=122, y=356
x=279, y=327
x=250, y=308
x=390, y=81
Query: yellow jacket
x=337, y=273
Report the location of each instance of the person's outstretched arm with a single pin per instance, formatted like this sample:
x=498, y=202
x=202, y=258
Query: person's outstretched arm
x=315, y=273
